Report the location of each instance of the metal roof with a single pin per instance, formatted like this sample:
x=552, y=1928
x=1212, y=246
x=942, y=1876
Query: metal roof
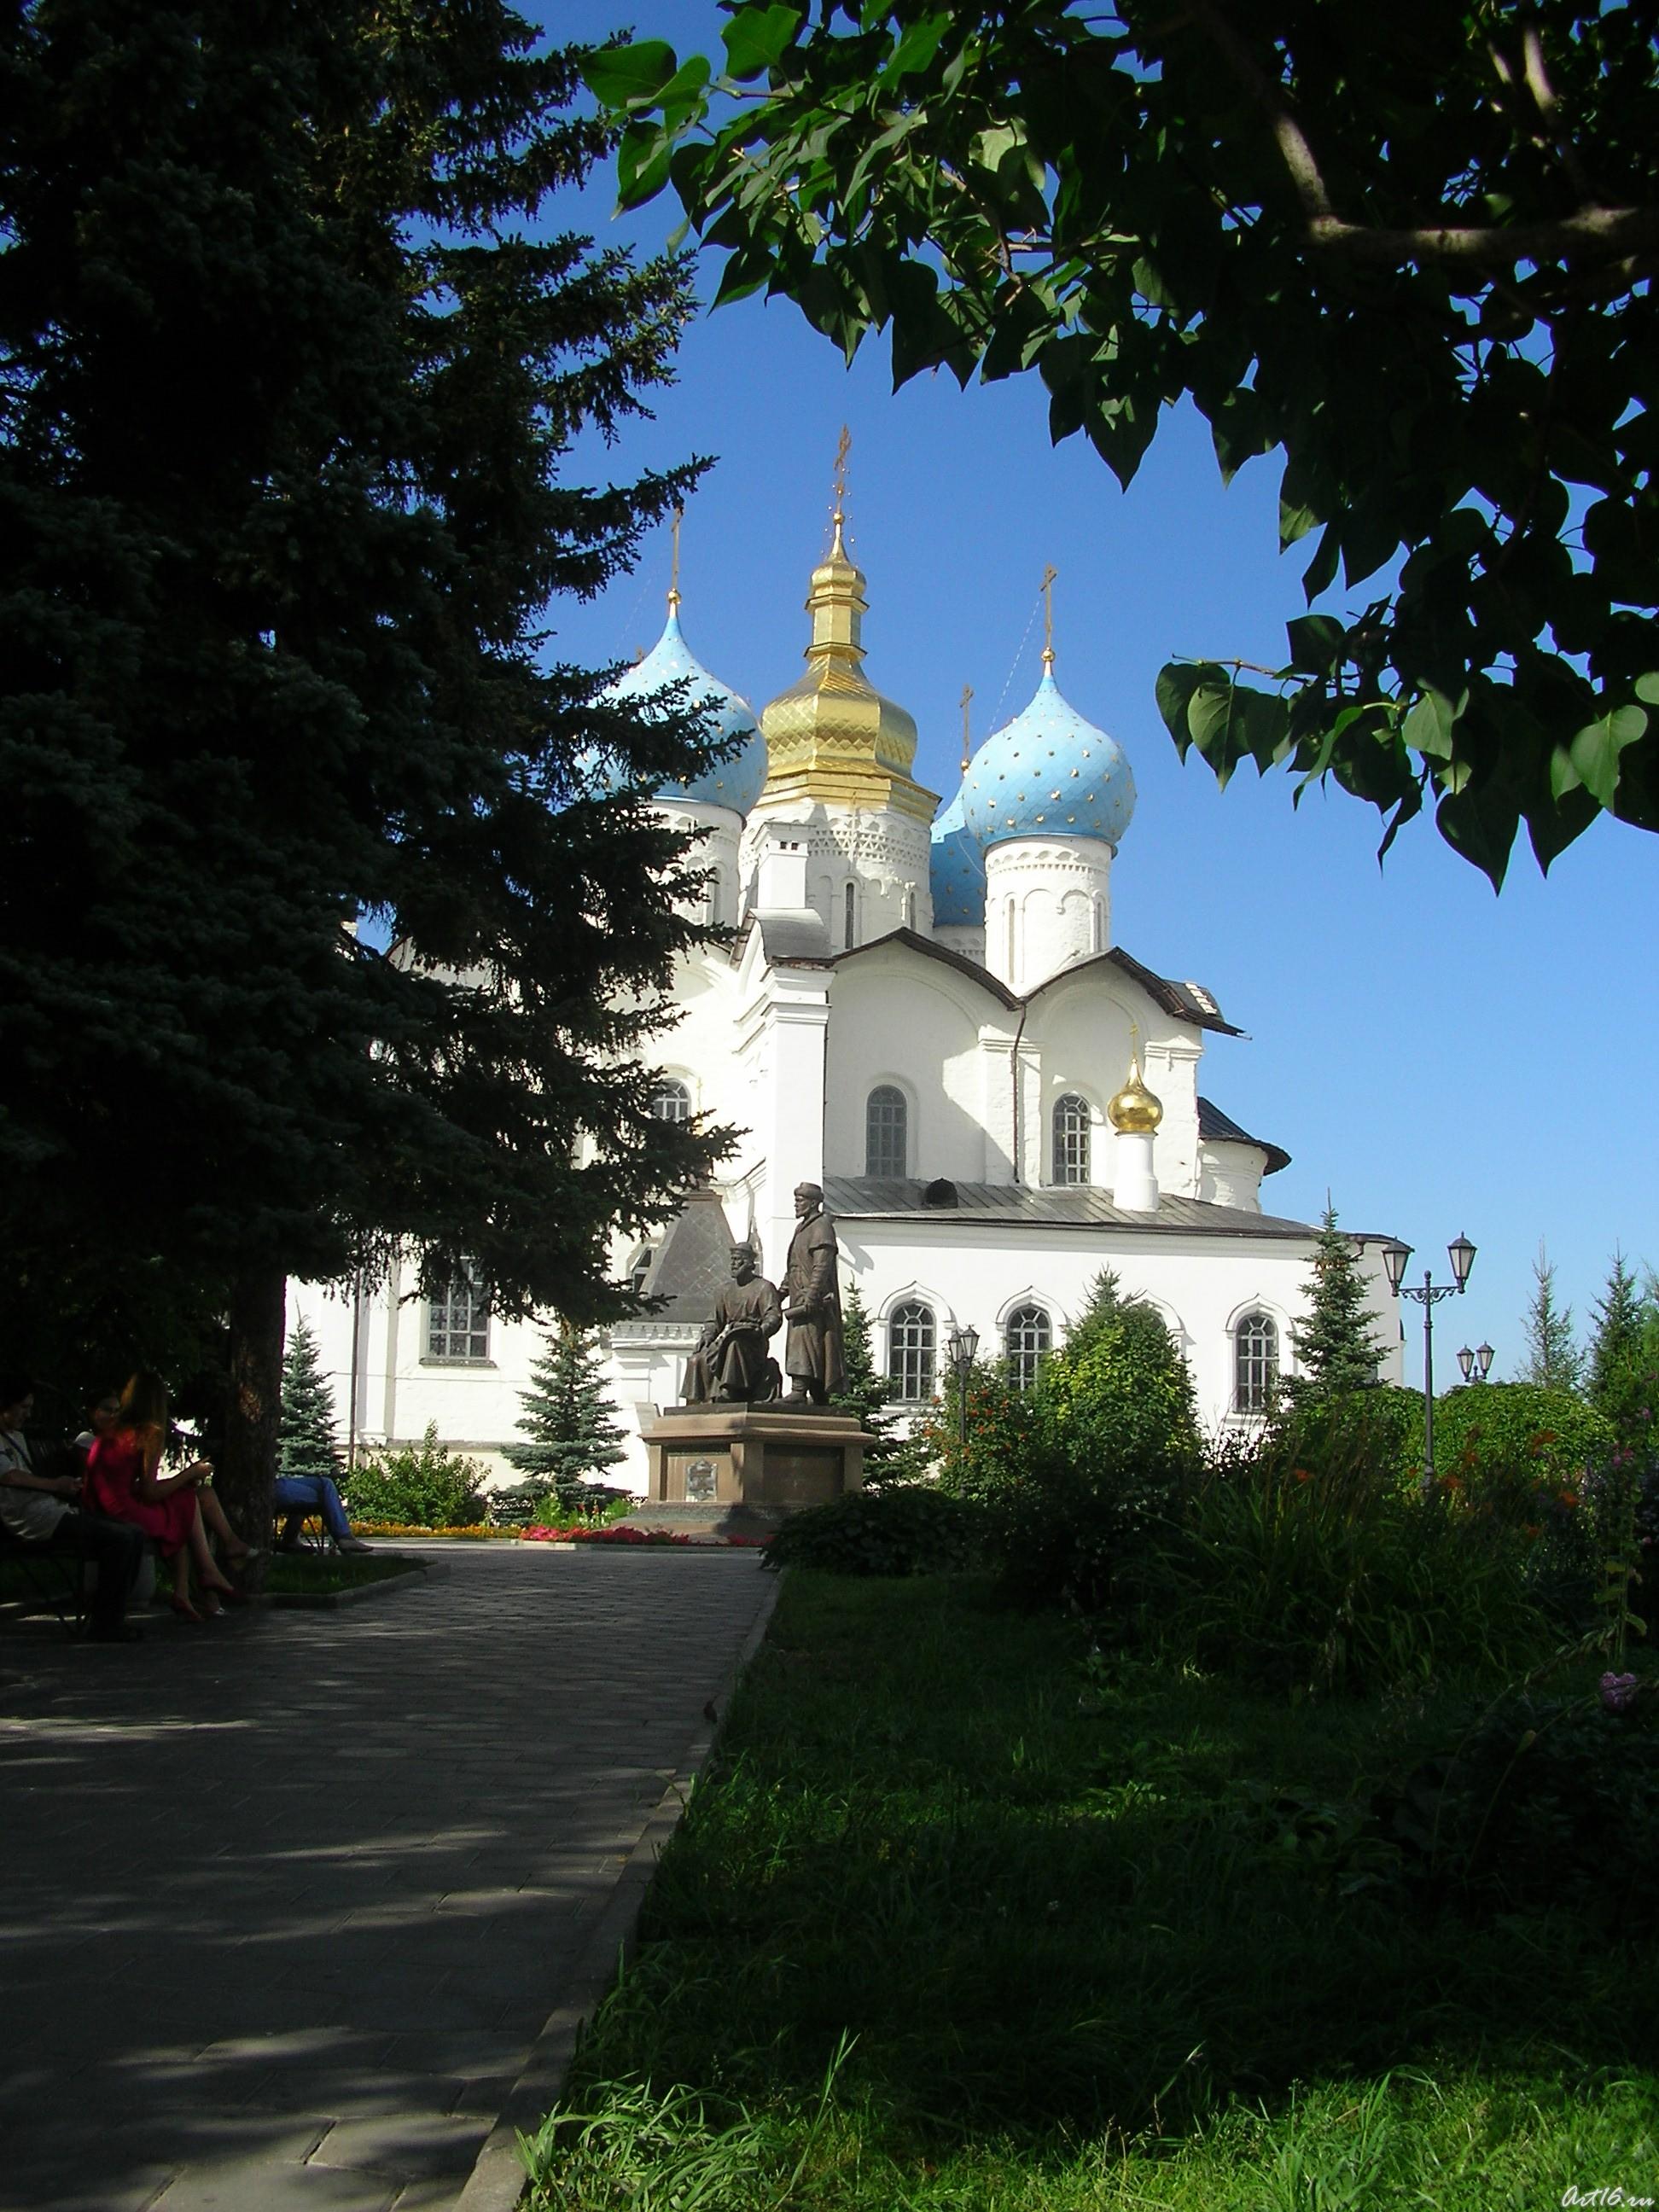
x=1220, y=1128
x=1075, y=1207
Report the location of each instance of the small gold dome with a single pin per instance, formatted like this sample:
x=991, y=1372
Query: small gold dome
x=1134, y=1111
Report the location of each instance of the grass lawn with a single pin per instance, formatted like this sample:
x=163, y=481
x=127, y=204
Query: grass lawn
x=964, y=1921
x=304, y=1573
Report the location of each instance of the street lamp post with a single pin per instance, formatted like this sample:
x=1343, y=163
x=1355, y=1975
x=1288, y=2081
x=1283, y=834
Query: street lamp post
x=962, y=1348
x=1476, y=1365
x=1428, y=1294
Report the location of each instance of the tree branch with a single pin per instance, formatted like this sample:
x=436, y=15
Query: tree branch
x=1294, y=149
x=1593, y=233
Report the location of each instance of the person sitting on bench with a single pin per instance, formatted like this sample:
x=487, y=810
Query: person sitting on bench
x=45, y=1508
x=299, y=1497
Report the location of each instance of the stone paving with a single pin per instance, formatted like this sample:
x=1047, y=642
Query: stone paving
x=285, y=1901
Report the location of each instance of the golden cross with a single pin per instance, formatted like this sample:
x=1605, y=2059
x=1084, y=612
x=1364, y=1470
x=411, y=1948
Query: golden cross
x=1049, y=575
x=674, y=575
x=967, y=746
x=843, y=447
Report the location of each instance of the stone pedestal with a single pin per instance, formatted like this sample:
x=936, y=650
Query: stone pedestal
x=772, y=1458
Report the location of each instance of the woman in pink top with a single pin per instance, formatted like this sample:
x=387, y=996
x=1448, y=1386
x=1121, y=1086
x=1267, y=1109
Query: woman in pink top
x=124, y=1480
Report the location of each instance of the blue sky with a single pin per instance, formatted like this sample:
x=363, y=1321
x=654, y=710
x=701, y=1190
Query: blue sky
x=1438, y=1058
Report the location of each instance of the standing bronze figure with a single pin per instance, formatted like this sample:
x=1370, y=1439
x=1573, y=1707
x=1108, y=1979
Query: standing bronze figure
x=811, y=1296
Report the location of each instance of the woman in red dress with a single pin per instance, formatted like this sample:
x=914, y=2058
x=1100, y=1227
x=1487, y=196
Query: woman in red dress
x=124, y=1480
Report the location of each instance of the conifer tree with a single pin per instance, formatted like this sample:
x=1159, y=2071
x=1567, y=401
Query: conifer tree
x=1336, y=1345
x=306, y=1441
x=1552, y=1356
x=1624, y=1355
x=865, y=1395
x=290, y=371
x=567, y=1417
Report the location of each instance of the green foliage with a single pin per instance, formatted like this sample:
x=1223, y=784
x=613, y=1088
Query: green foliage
x=1551, y=1359
x=567, y=1417
x=1337, y=1344
x=1249, y=207
x=306, y=1441
x=1515, y=1437
x=1624, y=1361
x=290, y=391
x=1303, y=1560
x=425, y=1486
x=1550, y=1803
x=1074, y=1486
x=889, y=1456
x=965, y=1919
x=902, y=1528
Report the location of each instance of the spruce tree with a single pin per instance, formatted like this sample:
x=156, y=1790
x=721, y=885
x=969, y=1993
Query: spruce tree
x=1551, y=1357
x=865, y=1395
x=306, y=1441
x=567, y=1416
x=290, y=369
x=1336, y=1345
x=1624, y=1354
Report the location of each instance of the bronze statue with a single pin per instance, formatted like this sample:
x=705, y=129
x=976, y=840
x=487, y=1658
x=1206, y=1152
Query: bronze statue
x=812, y=1294
x=730, y=1365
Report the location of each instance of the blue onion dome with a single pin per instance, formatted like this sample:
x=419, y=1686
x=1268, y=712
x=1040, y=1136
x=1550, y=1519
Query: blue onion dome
x=957, y=871
x=1047, y=774
x=734, y=782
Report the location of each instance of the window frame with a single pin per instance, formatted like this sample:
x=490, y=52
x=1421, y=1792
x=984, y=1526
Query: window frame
x=1024, y=1360
x=440, y=1335
x=1067, y=1171
x=681, y=1090
x=911, y=1352
x=889, y=1094
x=1255, y=1371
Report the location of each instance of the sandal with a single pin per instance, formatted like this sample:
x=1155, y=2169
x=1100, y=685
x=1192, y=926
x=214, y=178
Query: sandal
x=185, y=1610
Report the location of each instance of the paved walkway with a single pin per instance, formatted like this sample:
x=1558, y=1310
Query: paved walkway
x=285, y=1901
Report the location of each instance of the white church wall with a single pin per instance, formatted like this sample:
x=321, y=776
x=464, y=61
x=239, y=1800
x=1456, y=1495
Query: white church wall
x=896, y=1016
x=1230, y=1174
x=1201, y=1284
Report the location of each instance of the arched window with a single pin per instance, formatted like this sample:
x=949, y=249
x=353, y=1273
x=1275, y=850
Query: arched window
x=711, y=897
x=1071, y=1139
x=457, y=1321
x=851, y=908
x=886, y=1131
x=910, y=1351
x=1255, y=1364
x=909, y=909
x=672, y=1100
x=1025, y=1341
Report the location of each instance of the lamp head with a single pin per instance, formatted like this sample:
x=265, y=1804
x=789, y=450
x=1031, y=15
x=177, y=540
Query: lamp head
x=1466, y=1361
x=1461, y=1253
x=1395, y=1256
x=1483, y=1356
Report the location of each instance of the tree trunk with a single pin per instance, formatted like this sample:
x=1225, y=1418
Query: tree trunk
x=248, y=1464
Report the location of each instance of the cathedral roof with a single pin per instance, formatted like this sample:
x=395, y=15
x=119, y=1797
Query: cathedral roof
x=1048, y=773
x=734, y=782
x=1070, y=1207
x=1219, y=1128
x=957, y=870
x=832, y=736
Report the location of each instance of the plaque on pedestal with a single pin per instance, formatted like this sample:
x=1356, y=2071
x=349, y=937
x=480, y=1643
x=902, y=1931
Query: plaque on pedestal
x=771, y=1459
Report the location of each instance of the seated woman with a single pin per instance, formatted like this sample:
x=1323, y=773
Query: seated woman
x=124, y=1480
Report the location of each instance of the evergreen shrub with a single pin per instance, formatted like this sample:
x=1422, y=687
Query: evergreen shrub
x=424, y=1485
x=1303, y=1560
x=902, y=1528
x=1075, y=1486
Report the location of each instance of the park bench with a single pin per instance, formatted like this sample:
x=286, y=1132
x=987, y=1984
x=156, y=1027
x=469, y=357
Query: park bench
x=56, y=1571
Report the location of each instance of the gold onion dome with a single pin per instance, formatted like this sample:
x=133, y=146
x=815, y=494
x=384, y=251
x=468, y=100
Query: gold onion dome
x=832, y=735
x=1134, y=1111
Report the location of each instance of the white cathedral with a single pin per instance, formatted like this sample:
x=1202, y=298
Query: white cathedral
x=924, y=1012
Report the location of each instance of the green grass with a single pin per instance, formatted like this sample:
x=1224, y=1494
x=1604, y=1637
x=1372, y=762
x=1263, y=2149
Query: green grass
x=293, y=1573
x=965, y=1923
